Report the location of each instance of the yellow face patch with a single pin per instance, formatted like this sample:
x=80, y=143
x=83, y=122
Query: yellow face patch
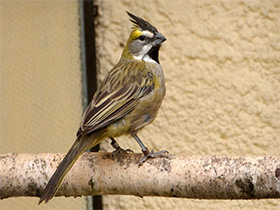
x=135, y=34
x=138, y=32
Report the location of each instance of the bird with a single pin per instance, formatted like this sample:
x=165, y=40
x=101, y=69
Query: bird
x=127, y=100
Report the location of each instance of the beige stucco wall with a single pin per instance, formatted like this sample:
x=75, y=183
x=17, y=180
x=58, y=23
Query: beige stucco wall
x=222, y=66
x=41, y=103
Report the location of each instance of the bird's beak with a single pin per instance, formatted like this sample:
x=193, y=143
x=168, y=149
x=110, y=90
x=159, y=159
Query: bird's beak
x=159, y=38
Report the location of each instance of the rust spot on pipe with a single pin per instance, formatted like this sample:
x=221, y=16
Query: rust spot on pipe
x=246, y=186
x=277, y=173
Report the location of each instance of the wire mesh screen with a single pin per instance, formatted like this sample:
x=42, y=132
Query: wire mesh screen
x=41, y=85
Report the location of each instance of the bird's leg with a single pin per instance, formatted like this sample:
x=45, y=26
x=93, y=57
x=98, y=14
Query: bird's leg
x=117, y=148
x=147, y=153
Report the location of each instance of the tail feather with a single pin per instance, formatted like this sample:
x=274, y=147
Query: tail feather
x=77, y=149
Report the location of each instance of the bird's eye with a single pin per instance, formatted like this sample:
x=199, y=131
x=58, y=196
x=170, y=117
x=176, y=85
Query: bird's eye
x=141, y=38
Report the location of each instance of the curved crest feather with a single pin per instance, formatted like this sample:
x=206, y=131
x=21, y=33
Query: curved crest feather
x=139, y=22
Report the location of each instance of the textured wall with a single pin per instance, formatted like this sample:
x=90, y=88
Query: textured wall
x=222, y=66
x=41, y=103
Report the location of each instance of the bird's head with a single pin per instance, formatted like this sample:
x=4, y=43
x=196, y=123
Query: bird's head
x=144, y=41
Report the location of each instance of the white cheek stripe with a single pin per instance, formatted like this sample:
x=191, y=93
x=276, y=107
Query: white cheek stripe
x=143, y=52
x=139, y=57
x=146, y=58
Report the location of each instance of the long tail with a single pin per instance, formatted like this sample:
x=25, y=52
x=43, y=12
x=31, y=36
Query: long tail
x=78, y=148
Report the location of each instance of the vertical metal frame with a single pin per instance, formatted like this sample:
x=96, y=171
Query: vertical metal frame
x=88, y=57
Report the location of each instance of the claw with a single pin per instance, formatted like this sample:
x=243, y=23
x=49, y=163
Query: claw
x=118, y=150
x=152, y=154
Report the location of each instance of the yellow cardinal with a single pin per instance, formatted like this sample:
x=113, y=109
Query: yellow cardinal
x=127, y=100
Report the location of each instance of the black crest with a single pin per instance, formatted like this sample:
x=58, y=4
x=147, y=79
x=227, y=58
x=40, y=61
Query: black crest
x=144, y=25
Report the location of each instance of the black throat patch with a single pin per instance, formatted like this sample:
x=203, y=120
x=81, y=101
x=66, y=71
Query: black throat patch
x=153, y=53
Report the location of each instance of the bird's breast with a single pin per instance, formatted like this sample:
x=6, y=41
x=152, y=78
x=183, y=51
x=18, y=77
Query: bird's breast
x=146, y=110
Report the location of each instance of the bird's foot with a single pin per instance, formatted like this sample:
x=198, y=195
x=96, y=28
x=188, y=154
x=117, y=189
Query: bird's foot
x=152, y=154
x=118, y=150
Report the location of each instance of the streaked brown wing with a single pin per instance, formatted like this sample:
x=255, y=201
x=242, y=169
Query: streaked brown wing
x=107, y=107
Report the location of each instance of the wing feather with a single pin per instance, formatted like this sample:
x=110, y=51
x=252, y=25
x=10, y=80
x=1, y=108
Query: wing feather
x=110, y=105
